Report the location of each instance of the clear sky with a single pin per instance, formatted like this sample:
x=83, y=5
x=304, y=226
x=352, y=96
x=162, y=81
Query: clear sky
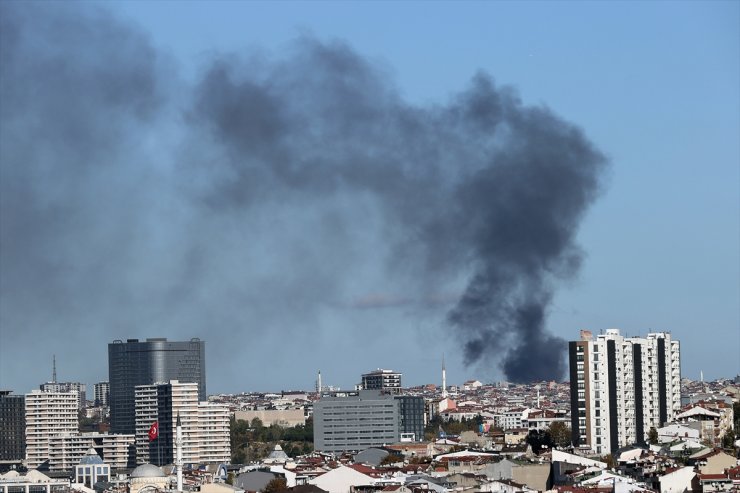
x=655, y=86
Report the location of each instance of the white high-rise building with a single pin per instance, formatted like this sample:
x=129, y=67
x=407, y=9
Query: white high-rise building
x=78, y=387
x=48, y=414
x=101, y=393
x=621, y=387
x=214, y=433
x=145, y=409
x=205, y=426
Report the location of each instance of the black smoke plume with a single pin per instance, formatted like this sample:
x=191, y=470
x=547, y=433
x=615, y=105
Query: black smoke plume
x=131, y=198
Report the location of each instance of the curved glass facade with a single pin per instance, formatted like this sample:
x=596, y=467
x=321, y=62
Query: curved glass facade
x=135, y=362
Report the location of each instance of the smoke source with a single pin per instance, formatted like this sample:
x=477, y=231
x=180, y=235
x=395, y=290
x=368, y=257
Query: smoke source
x=268, y=184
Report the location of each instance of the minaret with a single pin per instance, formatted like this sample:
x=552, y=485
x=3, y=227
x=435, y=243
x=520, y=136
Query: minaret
x=444, y=378
x=54, y=369
x=318, y=383
x=178, y=456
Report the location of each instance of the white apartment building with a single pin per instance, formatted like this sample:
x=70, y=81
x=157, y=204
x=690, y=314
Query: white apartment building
x=101, y=392
x=48, y=414
x=205, y=426
x=117, y=450
x=145, y=412
x=67, y=449
x=214, y=433
x=78, y=387
x=512, y=418
x=621, y=387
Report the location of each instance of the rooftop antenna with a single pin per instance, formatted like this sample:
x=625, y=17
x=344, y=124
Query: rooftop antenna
x=54, y=369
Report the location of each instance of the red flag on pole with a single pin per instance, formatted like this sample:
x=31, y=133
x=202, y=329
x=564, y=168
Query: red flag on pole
x=154, y=431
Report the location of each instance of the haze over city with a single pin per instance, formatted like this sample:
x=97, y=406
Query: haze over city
x=346, y=187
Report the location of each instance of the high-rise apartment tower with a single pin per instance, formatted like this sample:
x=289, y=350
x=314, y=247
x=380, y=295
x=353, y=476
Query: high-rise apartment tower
x=135, y=362
x=620, y=387
x=12, y=426
x=48, y=414
x=101, y=393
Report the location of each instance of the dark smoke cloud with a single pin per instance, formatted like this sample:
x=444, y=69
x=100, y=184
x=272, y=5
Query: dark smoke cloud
x=272, y=189
x=483, y=182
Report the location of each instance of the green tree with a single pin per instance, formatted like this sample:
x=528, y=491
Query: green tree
x=391, y=459
x=277, y=484
x=609, y=460
x=238, y=456
x=539, y=440
x=728, y=441
x=653, y=436
x=560, y=434
x=230, y=478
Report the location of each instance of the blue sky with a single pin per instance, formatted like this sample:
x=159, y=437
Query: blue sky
x=656, y=87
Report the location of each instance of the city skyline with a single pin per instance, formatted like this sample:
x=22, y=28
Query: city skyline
x=114, y=225
x=355, y=380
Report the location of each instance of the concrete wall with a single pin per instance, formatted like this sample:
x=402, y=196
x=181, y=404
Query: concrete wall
x=536, y=476
x=284, y=417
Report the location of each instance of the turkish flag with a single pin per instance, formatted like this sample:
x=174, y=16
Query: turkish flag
x=154, y=431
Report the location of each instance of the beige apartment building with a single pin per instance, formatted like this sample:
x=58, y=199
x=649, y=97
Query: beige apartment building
x=48, y=414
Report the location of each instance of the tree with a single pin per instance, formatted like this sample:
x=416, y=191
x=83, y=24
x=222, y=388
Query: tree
x=609, y=460
x=238, y=456
x=539, y=440
x=653, y=436
x=728, y=441
x=391, y=459
x=230, y=478
x=560, y=434
x=277, y=484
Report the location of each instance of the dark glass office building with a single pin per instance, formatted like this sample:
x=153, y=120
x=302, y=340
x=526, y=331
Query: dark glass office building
x=411, y=412
x=156, y=360
x=12, y=426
